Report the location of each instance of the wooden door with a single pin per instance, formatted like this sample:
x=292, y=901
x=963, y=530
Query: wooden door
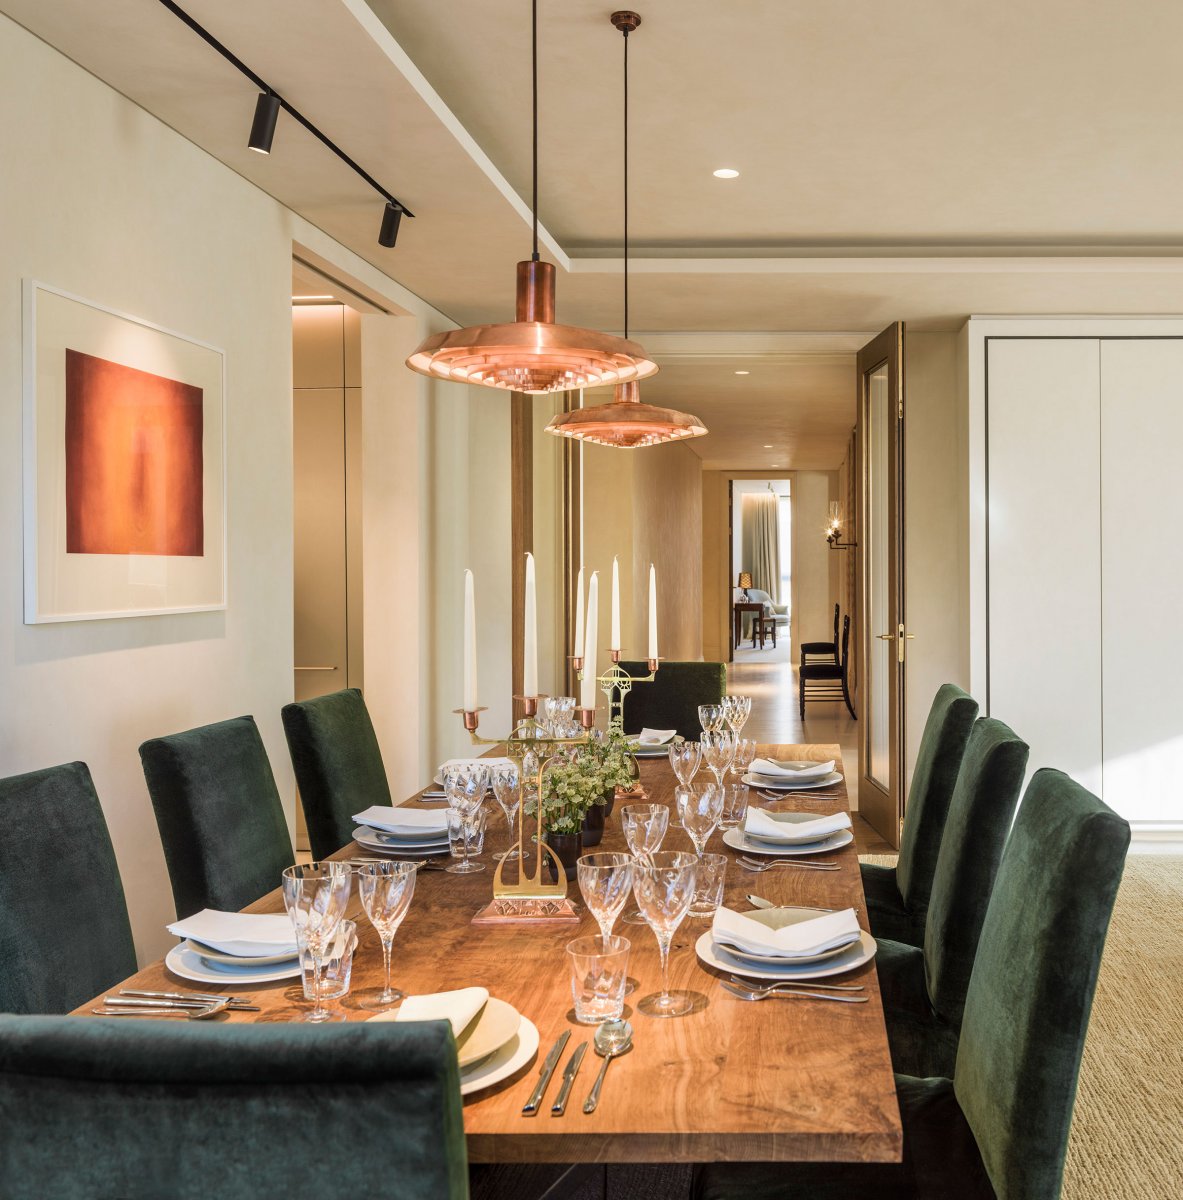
x=882, y=636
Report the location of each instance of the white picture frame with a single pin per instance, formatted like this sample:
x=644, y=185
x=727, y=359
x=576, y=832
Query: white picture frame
x=90, y=567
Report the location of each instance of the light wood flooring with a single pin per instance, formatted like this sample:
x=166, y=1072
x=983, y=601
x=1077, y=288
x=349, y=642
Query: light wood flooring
x=776, y=718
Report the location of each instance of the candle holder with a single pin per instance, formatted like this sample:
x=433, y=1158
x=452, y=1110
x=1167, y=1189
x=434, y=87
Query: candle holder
x=616, y=683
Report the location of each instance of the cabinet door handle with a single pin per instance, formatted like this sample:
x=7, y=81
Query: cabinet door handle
x=314, y=668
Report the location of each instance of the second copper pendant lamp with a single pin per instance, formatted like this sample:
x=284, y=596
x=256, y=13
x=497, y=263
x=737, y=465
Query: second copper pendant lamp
x=626, y=423
x=532, y=354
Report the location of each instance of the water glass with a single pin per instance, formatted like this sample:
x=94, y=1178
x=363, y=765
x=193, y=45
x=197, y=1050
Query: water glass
x=664, y=886
x=316, y=896
x=718, y=749
x=745, y=755
x=684, y=758
x=606, y=881
x=336, y=966
x=700, y=806
x=386, y=889
x=599, y=974
x=708, y=888
x=465, y=785
x=735, y=805
x=710, y=717
x=466, y=839
x=644, y=828
x=557, y=712
x=737, y=710
x=507, y=789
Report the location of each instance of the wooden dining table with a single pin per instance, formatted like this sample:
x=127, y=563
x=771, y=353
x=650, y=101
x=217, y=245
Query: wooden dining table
x=775, y=1080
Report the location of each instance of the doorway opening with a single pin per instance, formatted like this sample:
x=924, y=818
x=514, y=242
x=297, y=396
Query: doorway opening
x=762, y=569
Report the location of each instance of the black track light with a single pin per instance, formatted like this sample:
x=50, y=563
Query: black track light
x=388, y=234
x=263, y=127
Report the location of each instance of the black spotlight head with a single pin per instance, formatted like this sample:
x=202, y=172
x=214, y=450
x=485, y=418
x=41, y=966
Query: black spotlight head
x=263, y=126
x=388, y=234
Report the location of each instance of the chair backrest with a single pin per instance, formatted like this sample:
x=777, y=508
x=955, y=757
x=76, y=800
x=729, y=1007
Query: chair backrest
x=338, y=765
x=671, y=701
x=64, y=932
x=836, y=610
x=144, y=1109
x=980, y=814
x=1027, y=1011
x=219, y=813
x=845, y=642
x=938, y=760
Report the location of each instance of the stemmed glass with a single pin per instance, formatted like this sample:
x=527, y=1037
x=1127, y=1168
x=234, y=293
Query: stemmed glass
x=465, y=785
x=605, y=879
x=700, y=807
x=684, y=758
x=664, y=886
x=745, y=755
x=737, y=709
x=557, y=712
x=718, y=749
x=710, y=717
x=386, y=889
x=509, y=796
x=316, y=896
x=644, y=828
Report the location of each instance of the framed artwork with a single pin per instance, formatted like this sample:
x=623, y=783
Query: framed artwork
x=124, y=464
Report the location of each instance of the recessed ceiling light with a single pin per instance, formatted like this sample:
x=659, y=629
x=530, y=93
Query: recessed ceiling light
x=767, y=445
x=726, y=173
x=743, y=372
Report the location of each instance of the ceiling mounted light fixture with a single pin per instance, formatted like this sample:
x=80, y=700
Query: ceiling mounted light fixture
x=532, y=354
x=726, y=173
x=626, y=422
x=263, y=126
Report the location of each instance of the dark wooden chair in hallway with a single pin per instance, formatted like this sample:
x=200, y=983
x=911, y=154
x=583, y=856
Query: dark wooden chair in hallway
x=825, y=651
x=826, y=681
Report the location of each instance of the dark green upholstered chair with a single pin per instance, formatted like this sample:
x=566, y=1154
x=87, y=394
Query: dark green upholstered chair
x=64, y=932
x=998, y=1129
x=220, y=817
x=138, y=1110
x=671, y=701
x=924, y=987
x=897, y=897
x=338, y=765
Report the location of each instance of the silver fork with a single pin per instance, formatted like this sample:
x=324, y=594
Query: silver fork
x=749, y=986
x=802, y=795
x=769, y=993
x=750, y=864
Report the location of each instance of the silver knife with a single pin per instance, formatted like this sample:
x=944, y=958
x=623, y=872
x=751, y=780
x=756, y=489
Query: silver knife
x=570, y=1071
x=530, y=1108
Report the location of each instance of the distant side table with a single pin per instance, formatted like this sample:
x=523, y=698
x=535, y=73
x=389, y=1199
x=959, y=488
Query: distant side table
x=745, y=606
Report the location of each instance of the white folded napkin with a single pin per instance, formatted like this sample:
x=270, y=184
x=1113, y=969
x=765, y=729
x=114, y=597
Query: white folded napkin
x=246, y=935
x=779, y=770
x=802, y=940
x=458, y=1007
x=656, y=737
x=765, y=826
x=403, y=820
x=491, y=763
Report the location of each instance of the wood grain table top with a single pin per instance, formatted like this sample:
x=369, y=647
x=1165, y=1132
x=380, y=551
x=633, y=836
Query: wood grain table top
x=777, y=1080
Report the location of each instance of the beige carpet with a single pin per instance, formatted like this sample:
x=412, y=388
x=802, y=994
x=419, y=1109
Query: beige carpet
x=1127, y=1134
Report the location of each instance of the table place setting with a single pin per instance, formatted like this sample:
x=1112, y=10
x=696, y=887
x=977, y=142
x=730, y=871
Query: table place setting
x=234, y=948
x=766, y=834
x=403, y=832
x=792, y=775
x=785, y=946
x=652, y=743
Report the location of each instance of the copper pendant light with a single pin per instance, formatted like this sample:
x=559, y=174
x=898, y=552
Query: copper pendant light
x=532, y=354
x=626, y=423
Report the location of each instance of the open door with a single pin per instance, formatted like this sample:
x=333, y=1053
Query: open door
x=882, y=638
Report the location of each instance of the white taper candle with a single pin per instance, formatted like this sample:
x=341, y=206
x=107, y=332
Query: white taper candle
x=530, y=640
x=652, y=613
x=587, y=690
x=470, y=692
x=614, y=639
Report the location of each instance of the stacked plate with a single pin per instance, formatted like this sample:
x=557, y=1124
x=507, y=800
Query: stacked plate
x=785, y=943
x=402, y=832
x=652, y=743
x=791, y=775
x=781, y=834
x=493, y=1040
x=234, y=948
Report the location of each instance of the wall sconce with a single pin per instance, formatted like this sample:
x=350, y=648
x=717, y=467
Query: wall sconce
x=834, y=530
x=745, y=582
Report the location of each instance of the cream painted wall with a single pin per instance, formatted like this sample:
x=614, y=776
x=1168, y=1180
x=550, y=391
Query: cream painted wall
x=935, y=548
x=548, y=547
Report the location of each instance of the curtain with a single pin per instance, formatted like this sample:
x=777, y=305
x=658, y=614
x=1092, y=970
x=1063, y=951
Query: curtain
x=761, y=541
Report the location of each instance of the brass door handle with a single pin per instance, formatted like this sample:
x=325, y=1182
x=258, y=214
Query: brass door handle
x=886, y=637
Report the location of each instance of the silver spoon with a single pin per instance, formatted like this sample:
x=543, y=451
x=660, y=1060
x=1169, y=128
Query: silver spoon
x=612, y=1039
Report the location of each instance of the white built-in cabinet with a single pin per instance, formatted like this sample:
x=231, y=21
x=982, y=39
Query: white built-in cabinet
x=1076, y=512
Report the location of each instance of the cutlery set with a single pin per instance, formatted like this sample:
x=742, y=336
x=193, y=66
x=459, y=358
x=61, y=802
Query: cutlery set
x=612, y=1039
x=745, y=990
x=760, y=866
x=195, y=1006
x=798, y=795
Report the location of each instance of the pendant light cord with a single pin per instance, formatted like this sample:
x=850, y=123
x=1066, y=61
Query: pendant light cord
x=626, y=183
x=534, y=105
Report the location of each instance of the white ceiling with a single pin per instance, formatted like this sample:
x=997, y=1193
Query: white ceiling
x=917, y=162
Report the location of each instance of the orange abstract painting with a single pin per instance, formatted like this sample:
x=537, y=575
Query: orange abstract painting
x=134, y=465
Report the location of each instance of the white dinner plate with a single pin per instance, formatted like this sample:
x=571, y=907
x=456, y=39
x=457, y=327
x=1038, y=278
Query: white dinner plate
x=188, y=964
x=721, y=959
x=786, y=837
x=433, y=837
x=418, y=850
x=778, y=918
x=209, y=954
x=507, y=1061
x=736, y=839
x=650, y=751
x=768, y=784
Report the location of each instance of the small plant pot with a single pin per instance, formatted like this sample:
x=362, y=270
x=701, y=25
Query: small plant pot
x=593, y=826
x=568, y=847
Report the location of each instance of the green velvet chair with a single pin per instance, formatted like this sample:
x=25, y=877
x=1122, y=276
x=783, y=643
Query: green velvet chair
x=221, y=820
x=898, y=897
x=671, y=701
x=998, y=1129
x=138, y=1110
x=64, y=932
x=338, y=765
x=924, y=987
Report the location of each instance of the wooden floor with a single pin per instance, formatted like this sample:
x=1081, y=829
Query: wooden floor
x=776, y=717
